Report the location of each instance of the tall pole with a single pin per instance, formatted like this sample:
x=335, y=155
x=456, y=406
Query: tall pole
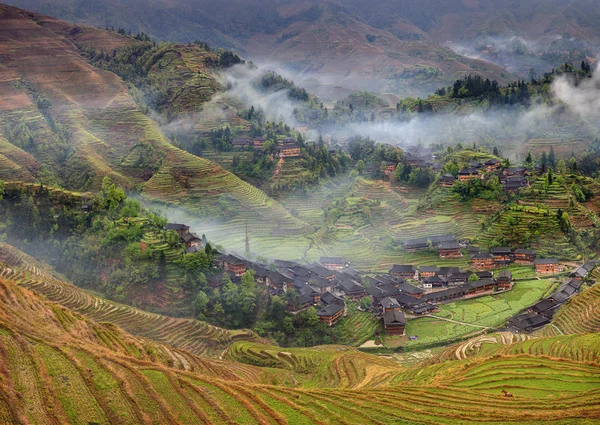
x=247, y=241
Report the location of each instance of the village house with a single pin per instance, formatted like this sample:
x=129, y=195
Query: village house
x=235, y=265
x=353, y=290
x=289, y=151
x=322, y=272
x=191, y=240
x=414, y=245
x=436, y=241
x=287, y=141
x=328, y=298
x=475, y=164
x=450, y=250
x=240, y=143
x=445, y=295
x=548, y=266
x=258, y=142
x=525, y=257
x=412, y=160
x=333, y=263
x=482, y=261
x=458, y=278
x=394, y=322
x=504, y=280
x=179, y=228
x=434, y=282
x=484, y=275
x=390, y=167
x=331, y=313
x=193, y=249
x=502, y=255
x=467, y=174
x=492, y=164
x=513, y=185
x=444, y=272
x=515, y=171
x=412, y=290
x=427, y=271
x=479, y=287
x=389, y=304
x=404, y=272
x=447, y=180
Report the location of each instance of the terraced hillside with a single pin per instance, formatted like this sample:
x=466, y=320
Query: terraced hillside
x=197, y=337
x=59, y=367
x=81, y=124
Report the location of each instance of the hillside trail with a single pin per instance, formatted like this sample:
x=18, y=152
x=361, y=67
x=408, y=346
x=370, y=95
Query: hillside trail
x=460, y=323
x=279, y=167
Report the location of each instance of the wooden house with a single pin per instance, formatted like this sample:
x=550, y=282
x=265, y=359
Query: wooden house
x=515, y=171
x=258, y=142
x=414, y=245
x=458, y=278
x=548, y=266
x=445, y=295
x=191, y=240
x=389, y=304
x=240, y=143
x=447, y=180
x=333, y=263
x=434, y=282
x=479, y=286
x=390, y=167
x=502, y=255
x=525, y=257
x=235, y=265
x=427, y=271
x=482, y=261
x=328, y=298
x=353, y=290
x=436, y=241
x=468, y=174
x=179, y=228
x=331, y=313
x=504, y=280
x=492, y=164
x=394, y=322
x=289, y=151
x=450, y=250
x=404, y=272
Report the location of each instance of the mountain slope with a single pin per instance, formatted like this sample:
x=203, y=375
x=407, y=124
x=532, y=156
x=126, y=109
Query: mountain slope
x=81, y=124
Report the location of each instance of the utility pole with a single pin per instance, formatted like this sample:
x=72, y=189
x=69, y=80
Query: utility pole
x=247, y=241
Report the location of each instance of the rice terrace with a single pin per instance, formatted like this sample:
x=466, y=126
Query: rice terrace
x=299, y=212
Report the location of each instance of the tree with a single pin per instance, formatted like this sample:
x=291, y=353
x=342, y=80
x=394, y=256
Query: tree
x=201, y=303
x=366, y=302
x=110, y=196
x=528, y=159
x=544, y=161
x=360, y=166
x=495, y=151
x=561, y=166
x=473, y=277
x=551, y=158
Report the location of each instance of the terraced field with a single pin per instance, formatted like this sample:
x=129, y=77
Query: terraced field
x=197, y=337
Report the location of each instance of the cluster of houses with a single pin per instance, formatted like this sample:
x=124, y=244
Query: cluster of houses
x=541, y=313
x=512, y=178
x=286, y=148
x=503, y=256
x=416, y=157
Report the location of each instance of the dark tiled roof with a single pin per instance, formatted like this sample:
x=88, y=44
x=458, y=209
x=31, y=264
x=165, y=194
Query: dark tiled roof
x=546, y=261
x=402, y=269
x=501, y=250
x=330, y=310
x=394, y=317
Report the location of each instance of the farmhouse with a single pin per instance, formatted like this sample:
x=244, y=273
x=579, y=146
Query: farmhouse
x=428, y=271
x=179, y=228
x=528, y=322
x=468, y=174
x=502, y=255
x=479, y=286
x=390, y=167
x=515, y=171
x=394, y=322
x=403, y=271
x=450, y=250
x=436, y=241
x=289, y=151
x=235, y=265
x=445, y=295
x=514, y=185
x=331, y=313
x=447, y=180
x=258, y=142
x=484, y=275
x=492, y=164
x=328, y=298
x=546, y=306
x=525, y=257
x=412, y=290
x=333, y=263
x=353, y=290
x=389, y=304
x=444, y=272
x=434, y=282
x=548, y=266
x=240, y=143
x=191, y=240
x=458, y=278
x=504, y=280
x=482, y=261
x=414, y=245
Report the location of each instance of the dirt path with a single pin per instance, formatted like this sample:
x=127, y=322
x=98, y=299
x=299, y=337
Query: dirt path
x=279, y=167
x=460, y=323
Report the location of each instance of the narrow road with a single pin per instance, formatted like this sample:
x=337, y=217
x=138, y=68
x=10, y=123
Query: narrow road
x=460, y=323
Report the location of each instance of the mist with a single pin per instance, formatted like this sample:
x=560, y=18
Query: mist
x=583, y=98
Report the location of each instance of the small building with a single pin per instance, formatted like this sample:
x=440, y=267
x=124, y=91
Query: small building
x=258, y=142
x=390, y=167
x=328, y=298
x=394, y=322
x=235, y=265
x=504, y=280
x=502, y=255
x=414, y=245
x=492, y=164
x=458, y=278
x=482, y=261
x=444, y=272
x=468, y=174
x=427, y=271
x=434, y=282
x=548, y=266
x=389, y=304
x=484, y=275
x=179, y=228
x=240, y=142
x=331, y=313
x=447, y=180
x=289, y=151
x=525, y=257
x=333, y=263
x=436, y=241
x=353, y=290
x=409, y=289
x=515, y=171
x=513, y=186
x=404, y=272
x=191, y=240
x=450, y=250
x=479, y=286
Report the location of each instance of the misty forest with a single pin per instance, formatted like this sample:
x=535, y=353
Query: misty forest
x=299, y=212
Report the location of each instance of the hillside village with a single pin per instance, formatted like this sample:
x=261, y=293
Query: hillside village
x=406, y=291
